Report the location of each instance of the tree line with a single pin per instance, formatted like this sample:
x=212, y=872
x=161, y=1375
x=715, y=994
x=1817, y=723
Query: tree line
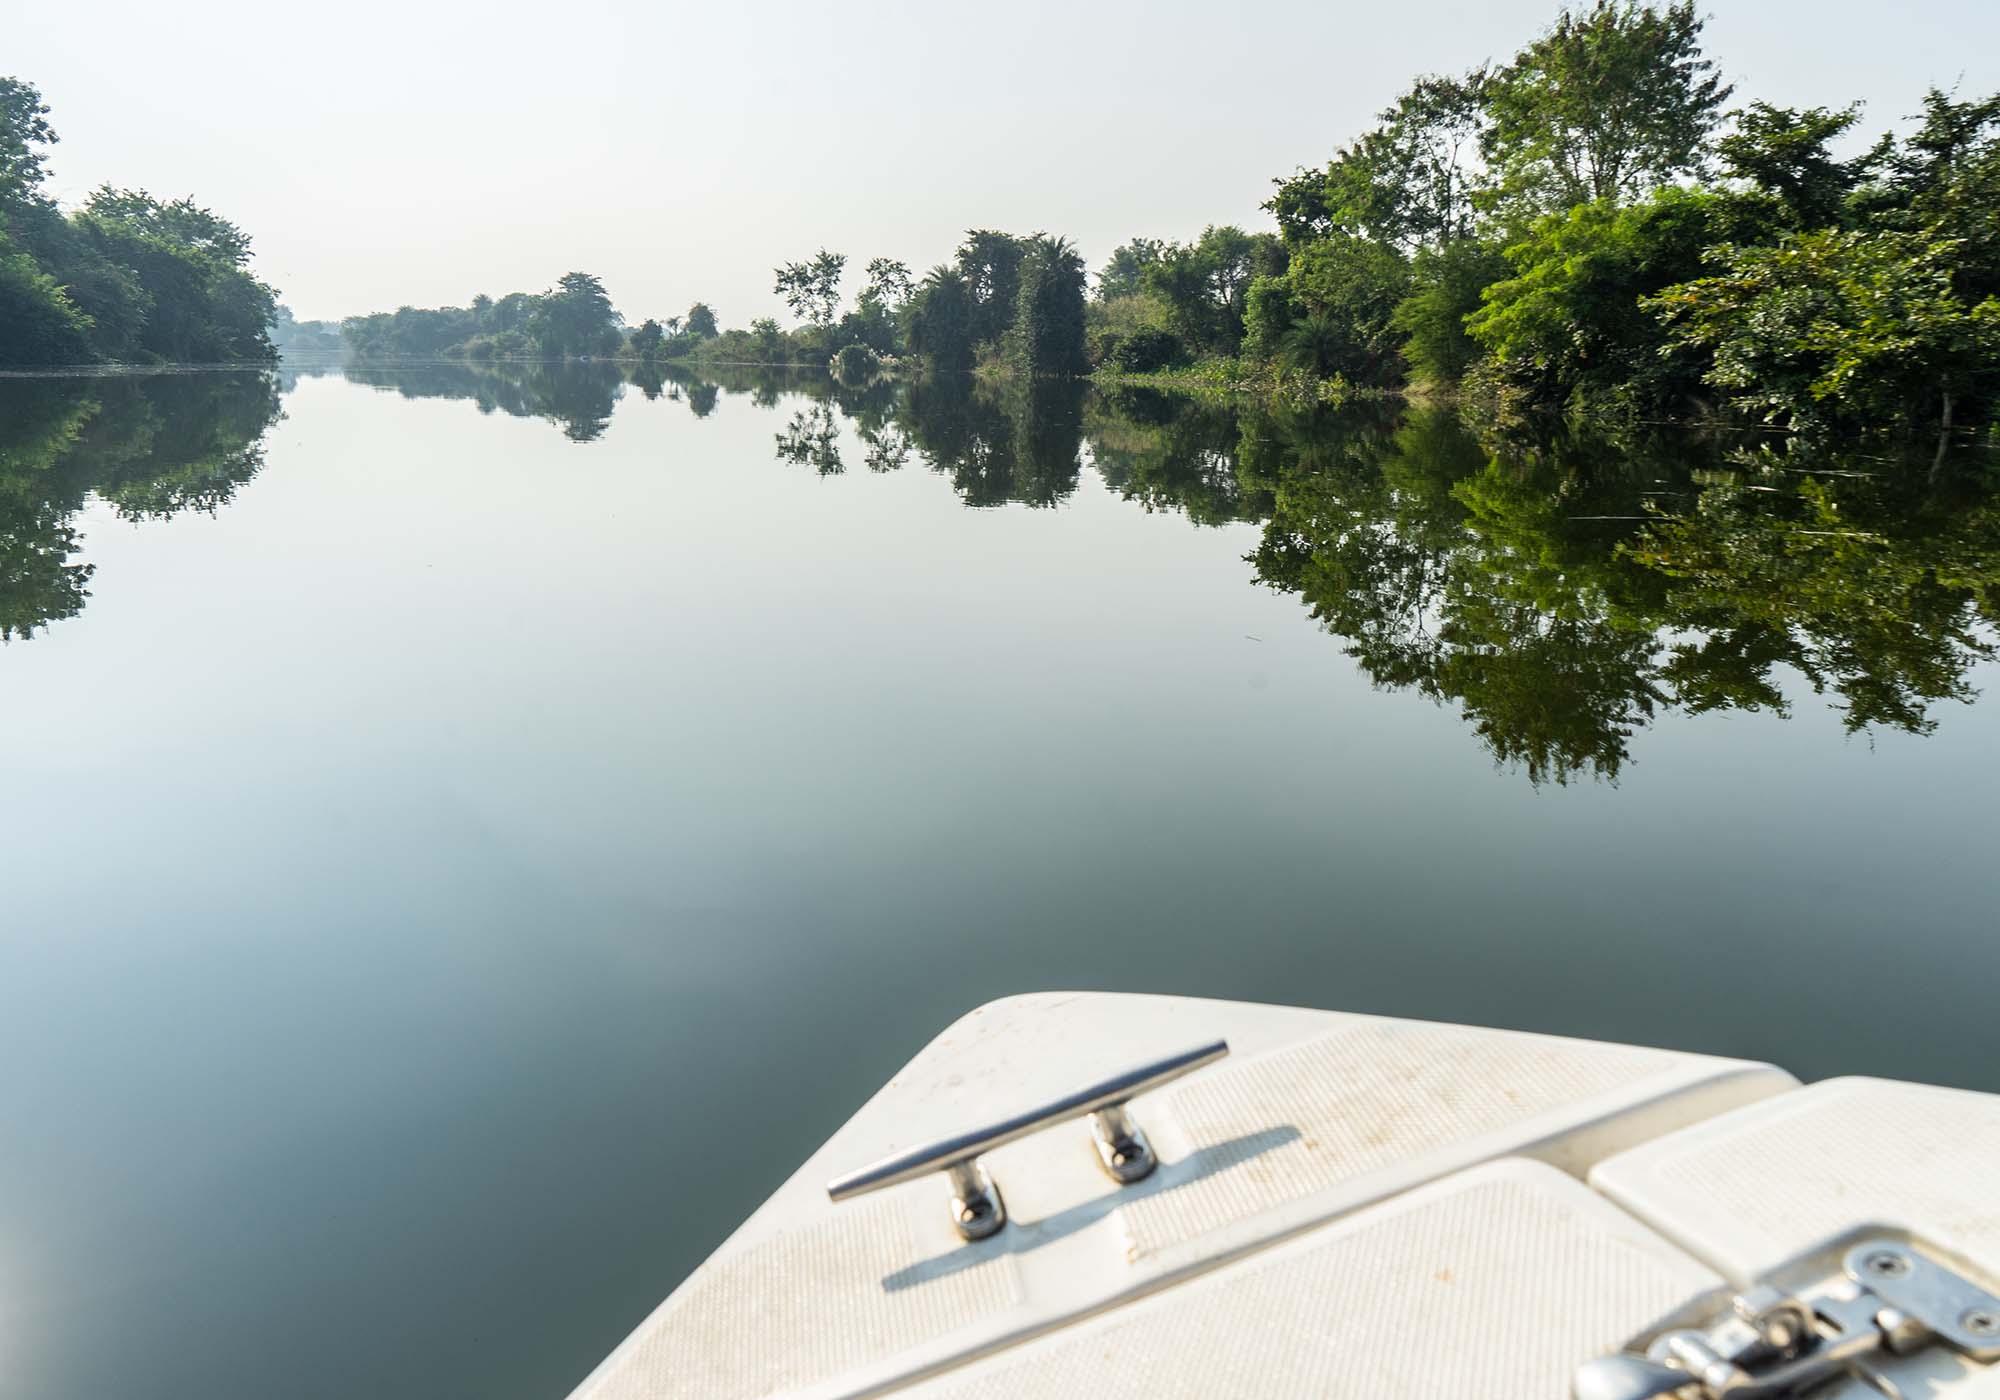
x=1006, y=301
x=1015, y=302
x=574, y=319
x=1590, y=227
x=126, y=278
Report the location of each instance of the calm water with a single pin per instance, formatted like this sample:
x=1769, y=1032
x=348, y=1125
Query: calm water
x=468, y=837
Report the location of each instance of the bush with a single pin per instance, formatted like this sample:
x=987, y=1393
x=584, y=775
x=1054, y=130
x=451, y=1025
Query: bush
x=507, y=345
x=856, y=364
x=1146, y=350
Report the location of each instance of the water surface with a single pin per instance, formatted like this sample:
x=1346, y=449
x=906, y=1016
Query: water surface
x=470, y=834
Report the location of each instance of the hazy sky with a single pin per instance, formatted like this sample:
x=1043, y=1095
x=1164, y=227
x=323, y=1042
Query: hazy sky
x=390, y=153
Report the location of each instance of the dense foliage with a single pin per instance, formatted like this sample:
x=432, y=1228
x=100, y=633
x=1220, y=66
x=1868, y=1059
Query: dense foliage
x=1586, y=228
x=126, y=278
x=574, y=319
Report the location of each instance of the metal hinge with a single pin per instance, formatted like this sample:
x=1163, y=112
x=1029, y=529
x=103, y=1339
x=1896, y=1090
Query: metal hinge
x=1894, y=1299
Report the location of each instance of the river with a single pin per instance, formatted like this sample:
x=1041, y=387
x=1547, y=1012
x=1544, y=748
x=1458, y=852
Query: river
x=470, y=833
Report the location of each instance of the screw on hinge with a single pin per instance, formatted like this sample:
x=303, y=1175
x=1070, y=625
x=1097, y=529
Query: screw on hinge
x=1887, y=1263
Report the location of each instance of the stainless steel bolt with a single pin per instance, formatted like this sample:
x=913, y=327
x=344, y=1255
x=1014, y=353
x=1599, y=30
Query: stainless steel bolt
x=1981, y=1323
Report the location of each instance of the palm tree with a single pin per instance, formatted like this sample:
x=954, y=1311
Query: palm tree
x=1315, y=345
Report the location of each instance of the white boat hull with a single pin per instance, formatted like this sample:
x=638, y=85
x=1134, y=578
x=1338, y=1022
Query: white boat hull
x=1347, y=1205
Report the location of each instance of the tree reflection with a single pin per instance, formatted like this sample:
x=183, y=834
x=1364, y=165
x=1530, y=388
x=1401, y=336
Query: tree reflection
x=1560, y=594
x=1167, y=452
x=1021, y=443
x=998, y=445
x=1871, y=586
x=1562, y=598
x=812, y=439
x=577, y=396
x=153, y=447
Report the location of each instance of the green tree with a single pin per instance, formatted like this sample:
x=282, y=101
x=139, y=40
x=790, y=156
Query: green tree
x=1945, y=181
x=888, y=284
x=941, y=321
x=1788, y=154
x=575, y=318
x=647, y=340
x=1855, y=329
x=104, y=288
x=25, y=134
x=856, y=363
x=1124, y=271
x=203, y=305
x=1270, y=309
x=767, y=341
x=990, y=264
x=1569, y=321
x=1953, y=138
x=1408, y=181
x=136, y=278
x=514, y=311
x=420, y=332
x=1129, y=331
x=812, y=288
x=1205, y=285
x=1354, y=285
x=1447, y=284
x=700, y=322
x=1612, y=102
x=1180, y=280
x=870, y=326
x=1048, y=332
x=182, y=223
x=1299, y=204
x=39, y=324
x=1317, y=344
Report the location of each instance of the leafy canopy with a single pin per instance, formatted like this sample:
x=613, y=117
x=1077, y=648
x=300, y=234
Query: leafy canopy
x=812, y=288
x=1612, y=102
x=1836, y=326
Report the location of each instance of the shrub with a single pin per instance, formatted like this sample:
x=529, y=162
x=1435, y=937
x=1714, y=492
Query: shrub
x=1146, y=350
x=856, y=363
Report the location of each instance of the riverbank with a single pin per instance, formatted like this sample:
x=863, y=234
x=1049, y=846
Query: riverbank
x=1238, y=379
